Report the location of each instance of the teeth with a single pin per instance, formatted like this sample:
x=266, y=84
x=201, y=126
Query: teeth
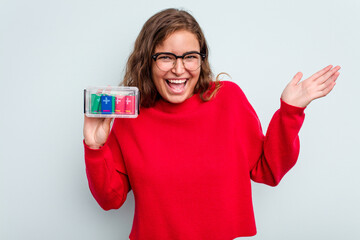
x=177, y=81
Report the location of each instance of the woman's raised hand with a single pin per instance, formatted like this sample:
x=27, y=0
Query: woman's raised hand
x=300, y=94
x=96, y=131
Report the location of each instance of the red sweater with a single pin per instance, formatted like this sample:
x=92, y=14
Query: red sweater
x=190, y=164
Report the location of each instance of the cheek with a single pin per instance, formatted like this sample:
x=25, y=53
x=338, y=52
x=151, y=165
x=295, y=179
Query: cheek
x=154, y=75
x=157, y=77
x=196, y=75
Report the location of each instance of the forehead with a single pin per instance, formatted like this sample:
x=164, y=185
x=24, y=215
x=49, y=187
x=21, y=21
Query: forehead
x=179, y=42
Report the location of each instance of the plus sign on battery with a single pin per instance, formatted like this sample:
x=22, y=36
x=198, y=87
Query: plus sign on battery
x=106, y=100
x=118, y=100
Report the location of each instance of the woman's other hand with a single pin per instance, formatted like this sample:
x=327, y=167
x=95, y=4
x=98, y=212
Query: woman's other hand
x=96, y=131
x=300, y=94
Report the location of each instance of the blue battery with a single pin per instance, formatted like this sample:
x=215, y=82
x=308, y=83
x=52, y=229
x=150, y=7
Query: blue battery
x=106, y=104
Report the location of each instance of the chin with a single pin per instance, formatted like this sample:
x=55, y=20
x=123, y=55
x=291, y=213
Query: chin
x=177, y=99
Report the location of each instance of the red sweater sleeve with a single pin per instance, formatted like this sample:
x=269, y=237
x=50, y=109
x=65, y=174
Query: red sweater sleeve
x=277, y=152
x=106, y=173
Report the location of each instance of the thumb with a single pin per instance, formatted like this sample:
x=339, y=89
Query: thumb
x=296, y=79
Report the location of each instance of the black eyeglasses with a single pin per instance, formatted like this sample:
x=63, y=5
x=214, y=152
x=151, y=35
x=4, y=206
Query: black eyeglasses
x=167, y=60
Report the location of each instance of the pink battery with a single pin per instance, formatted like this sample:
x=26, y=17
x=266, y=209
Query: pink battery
x=120, y=104
x=129, y=104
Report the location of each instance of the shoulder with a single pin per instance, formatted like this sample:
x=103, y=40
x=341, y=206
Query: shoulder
x=230, y=90
x=231, y=94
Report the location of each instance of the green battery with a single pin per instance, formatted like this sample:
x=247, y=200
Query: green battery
x=113, y=104
x=95, y=103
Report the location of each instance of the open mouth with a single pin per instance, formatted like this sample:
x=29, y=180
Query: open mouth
x=176, y=85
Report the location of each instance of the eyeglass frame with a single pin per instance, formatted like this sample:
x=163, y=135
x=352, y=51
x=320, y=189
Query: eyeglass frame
x=202, y=55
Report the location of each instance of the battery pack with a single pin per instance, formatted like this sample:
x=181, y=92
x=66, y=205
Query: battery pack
x=111, y=102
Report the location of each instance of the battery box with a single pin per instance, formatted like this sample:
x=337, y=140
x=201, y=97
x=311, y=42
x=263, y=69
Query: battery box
x=111, y=102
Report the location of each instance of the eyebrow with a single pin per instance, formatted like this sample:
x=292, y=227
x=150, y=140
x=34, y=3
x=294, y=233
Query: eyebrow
x=154, y=56
x=177, y=55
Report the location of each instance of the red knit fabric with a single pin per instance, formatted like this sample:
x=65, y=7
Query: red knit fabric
x=190, y=164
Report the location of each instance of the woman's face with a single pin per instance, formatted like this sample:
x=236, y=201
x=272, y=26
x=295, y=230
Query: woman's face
x=177, y=84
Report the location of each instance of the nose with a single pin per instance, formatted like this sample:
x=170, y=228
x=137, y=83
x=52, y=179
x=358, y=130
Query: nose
x=179, y=67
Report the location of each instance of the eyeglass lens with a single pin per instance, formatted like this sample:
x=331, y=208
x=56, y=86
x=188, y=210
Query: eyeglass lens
x=166, y=62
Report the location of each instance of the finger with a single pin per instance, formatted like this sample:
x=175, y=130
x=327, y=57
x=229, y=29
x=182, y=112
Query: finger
x=327, y=75
x=107, y=122
x=329, y=81
x=296, y=79
x=324, y=92
x=327, y=90
x=320, y=73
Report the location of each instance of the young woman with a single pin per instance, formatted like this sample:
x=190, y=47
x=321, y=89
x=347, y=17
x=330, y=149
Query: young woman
x=191, y=153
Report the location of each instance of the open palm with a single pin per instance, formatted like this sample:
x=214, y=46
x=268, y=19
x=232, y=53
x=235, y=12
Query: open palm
x=300, y=94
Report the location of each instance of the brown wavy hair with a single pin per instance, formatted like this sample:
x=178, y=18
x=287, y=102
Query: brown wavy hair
x=154, y=32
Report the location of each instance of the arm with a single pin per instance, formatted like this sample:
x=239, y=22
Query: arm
x=106, y=172
x=280, y=146
x=279, y=149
